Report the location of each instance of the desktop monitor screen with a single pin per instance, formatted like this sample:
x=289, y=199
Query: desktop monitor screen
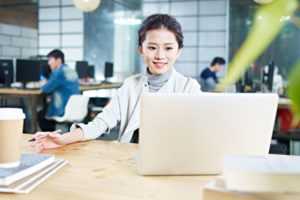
x=27, y=70
x=82, y=69
x=45, y=69
x=6, y=72
x=271, y=75
x=109, y=70
x=91, y=71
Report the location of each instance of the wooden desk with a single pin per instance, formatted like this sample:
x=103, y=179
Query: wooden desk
x=284, y=104
x=34, y=96
x=101, y=86
x=107, y=170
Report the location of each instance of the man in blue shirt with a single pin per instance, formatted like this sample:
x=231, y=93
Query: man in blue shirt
x=62, y=83
x=208, y=78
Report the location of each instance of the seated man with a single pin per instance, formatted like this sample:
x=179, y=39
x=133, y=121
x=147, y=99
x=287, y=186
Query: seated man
x=63, y=83
x=208, y=78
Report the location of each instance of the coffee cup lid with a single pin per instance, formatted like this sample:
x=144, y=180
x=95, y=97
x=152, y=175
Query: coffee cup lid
x=11, y=113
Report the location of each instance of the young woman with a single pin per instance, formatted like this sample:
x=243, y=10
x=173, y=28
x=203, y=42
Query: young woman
x=160, y=44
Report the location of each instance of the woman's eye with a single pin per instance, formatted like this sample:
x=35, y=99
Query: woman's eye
x=151, y=48
x=169, y=48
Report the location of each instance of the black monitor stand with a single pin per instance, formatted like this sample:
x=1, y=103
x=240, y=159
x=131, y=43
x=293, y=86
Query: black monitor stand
x=105, y=81
x=24, y=86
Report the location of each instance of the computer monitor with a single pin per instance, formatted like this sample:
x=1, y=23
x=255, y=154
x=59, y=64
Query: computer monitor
x=6, y=73
x=108, y=70
x=267, y=76
x=82, y=69
x=27, y=71
x=91, y=71
x=271, y=75
x=245, y=84
x=45, y=69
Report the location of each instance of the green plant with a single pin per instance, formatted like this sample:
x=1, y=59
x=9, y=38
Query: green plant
x=294, y=89
x=269, y=19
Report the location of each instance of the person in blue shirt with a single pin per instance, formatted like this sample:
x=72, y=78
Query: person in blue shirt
x=208, y=79
x=62, y=83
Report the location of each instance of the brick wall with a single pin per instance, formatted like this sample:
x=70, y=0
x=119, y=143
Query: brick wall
x=17, y=42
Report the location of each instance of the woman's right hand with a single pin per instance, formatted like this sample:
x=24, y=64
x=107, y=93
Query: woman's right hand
x=55, y=140
x=51, y=141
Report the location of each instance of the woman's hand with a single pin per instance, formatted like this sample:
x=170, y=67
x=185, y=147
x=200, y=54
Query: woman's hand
x=55, y=140
x=51, y=141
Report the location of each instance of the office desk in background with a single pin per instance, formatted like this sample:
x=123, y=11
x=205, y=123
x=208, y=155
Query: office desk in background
x=35, y=94
x=101, y=86
x=107, y=170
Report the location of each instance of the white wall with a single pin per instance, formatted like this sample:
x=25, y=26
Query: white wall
x=61, y=26
x=205, y=29
x=17, y=42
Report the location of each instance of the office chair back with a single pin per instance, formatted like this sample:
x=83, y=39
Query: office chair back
x=75, y=110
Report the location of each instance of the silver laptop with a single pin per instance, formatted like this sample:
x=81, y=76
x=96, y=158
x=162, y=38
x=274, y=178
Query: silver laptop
x=189, y=134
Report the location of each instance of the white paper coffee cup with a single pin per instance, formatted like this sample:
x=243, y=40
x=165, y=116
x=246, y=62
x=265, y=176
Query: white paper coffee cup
x=11, y=129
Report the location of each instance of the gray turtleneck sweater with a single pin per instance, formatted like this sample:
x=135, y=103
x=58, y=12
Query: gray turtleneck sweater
x=156, y=81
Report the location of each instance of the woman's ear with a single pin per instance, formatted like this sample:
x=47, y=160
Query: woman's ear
x=139, y=50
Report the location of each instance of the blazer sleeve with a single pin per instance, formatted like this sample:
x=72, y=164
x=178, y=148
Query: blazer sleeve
x=192, y=86
x=105, y=120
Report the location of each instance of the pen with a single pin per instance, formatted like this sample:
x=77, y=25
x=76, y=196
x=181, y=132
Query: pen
x=44, y=135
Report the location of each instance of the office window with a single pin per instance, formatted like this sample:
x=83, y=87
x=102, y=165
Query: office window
x=49, y=3
x=152, y=8
x=188, y=23
x=49, y=27
x=181, y=8
x=190, y=39
x=72, y=26
x=49, y=13
x=212, y=7
x=75, y=40
x=62, y=29
x=188, y=69
x=212, y=23
x=212, y=38
x=73, y=54
x=71, y=13
x=207, y=54
x=49, y=41
x=188, y=54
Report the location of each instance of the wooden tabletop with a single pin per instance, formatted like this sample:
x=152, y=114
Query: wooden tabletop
x=16, y=91
x=101, y=86
x=107, y=170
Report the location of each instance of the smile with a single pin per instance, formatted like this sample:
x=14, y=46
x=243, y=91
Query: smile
x=159, y=64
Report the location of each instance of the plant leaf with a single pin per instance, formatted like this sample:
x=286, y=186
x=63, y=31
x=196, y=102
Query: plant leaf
x=294, y=88
x=268, y=21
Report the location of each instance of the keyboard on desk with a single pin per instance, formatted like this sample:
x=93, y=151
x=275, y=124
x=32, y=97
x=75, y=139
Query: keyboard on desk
x=27, y=88
x=89, y=84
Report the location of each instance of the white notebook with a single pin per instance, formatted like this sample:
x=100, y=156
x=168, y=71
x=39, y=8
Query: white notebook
x=262, y=173
x=28, y=183
x=29, y=164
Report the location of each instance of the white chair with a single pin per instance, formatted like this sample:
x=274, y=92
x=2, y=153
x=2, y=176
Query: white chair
x=75, y=110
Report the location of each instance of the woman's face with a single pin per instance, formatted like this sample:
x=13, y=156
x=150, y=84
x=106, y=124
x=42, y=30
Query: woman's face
x=160, y=50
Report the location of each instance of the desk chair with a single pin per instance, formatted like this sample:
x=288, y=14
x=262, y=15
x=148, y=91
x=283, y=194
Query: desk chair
x=75, y=111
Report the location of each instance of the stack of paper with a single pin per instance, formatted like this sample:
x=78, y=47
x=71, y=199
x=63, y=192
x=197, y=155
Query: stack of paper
x=254, y=177
x=33, y=170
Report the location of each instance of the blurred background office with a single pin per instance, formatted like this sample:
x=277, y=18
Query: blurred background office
x=107, y=37
x=30, y=28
